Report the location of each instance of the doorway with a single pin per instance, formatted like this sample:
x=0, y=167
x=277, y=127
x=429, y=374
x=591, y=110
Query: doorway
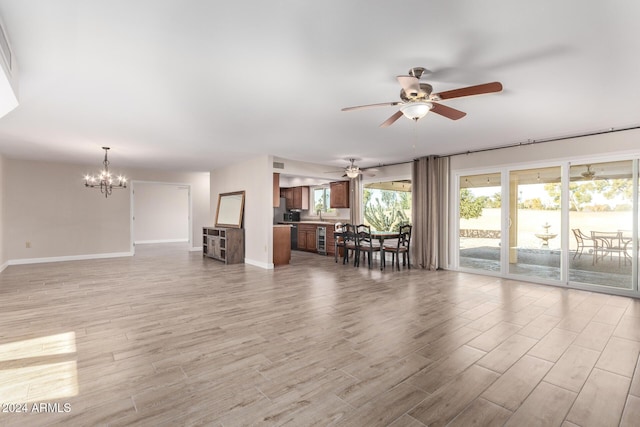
x=161, y=213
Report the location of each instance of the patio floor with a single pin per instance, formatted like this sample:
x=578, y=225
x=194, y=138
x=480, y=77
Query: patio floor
x=545, y=264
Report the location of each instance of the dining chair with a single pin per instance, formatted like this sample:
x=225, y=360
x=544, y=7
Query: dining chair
x=583, y=242
x=349, y=243
x=609, y=243
x=338, y=232
x=365, y=243
x=401, y=247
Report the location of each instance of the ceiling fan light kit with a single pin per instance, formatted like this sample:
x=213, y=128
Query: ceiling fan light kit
x=416, y=110
x=418, y=98
x=352, y=171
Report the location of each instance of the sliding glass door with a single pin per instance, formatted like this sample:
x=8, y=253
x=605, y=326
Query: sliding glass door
x=601, y=222
x=571, y=223
x=480, y=204
x=535, y=223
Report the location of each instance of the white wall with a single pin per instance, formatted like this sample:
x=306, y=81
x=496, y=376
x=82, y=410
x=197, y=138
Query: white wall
x=161, y=212
x=254, y=177
x=47, y=205
x=49, y=209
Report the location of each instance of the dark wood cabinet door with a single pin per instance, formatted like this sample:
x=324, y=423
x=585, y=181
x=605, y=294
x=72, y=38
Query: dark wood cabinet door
x=339, y=197
x=311, y=241
x=297, y=197
x=288, y=194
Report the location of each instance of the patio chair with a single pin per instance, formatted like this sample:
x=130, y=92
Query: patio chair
x=583, y=242
x=609, y=243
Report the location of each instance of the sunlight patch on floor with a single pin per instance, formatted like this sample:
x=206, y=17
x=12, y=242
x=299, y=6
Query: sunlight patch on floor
x=39, y=369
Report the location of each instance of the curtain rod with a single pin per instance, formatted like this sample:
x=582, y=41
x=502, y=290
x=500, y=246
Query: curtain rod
x=520, y=144
x=541, y=141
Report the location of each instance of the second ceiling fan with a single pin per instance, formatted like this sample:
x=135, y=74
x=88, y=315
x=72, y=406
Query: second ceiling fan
x=418, y=98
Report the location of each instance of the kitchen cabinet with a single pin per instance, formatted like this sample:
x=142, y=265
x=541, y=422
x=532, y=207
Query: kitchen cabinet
x=297, y=197
x=276, y=190
x=281, y=244
x=339, y=197
x=287, y=193
x=307, y=237
x=331, y=240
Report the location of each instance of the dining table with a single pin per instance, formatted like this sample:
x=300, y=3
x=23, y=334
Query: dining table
x=380, y=236
x=610, y=242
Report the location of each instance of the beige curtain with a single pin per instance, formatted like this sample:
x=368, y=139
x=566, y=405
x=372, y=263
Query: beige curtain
x=355, y=200
x=430, y=212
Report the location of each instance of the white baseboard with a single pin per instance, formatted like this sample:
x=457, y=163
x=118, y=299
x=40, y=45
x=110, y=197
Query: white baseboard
x=68, y=258
x=192, y=249
x=3, y=266
x=150, y=242
x=265, y=265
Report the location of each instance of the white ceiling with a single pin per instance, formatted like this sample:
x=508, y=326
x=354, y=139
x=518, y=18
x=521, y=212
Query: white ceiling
x=196, y=84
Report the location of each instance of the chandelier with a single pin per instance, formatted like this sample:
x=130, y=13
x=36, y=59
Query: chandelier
x=104, y=180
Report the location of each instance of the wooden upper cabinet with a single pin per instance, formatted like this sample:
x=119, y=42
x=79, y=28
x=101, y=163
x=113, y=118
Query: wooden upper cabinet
x=276, y=190
x=297, y=197
x=300, y=198
x=288, y=194
x=339, y=197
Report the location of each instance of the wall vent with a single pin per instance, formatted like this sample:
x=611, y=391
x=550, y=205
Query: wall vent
x=278, y=165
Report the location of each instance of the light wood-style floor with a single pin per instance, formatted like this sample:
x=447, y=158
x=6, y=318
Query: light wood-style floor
x=167, y=338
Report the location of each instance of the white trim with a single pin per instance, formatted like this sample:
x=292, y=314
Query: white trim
x=68, y=258
x=3, y=266
x=147, y=242
x=265, y=265
x=195, y=248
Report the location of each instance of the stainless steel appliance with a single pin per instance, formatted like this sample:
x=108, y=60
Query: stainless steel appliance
x=291, y=216
x=280, y=211
x=321, y=240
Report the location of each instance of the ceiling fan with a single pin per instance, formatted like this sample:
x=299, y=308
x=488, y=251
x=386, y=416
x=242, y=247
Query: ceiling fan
x=418, y=98
x=588, y=174
x=353, y=170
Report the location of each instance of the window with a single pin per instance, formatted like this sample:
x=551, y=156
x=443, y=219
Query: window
x=387, y=204
x=321, y=200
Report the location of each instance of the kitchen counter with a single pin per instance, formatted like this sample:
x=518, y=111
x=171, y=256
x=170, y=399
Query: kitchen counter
x=331, y=223
x=307, y=237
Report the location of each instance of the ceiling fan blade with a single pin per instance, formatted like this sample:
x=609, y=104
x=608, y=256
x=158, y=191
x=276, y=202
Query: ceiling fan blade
x=362, y=107
x=470, y=90
x=391, y=119
x=410, y=84
x=448, y=112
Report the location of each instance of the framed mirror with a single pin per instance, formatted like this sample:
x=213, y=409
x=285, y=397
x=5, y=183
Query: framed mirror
x=230, y=209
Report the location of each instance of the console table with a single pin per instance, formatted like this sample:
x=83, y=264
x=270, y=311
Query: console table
x=223, y=244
